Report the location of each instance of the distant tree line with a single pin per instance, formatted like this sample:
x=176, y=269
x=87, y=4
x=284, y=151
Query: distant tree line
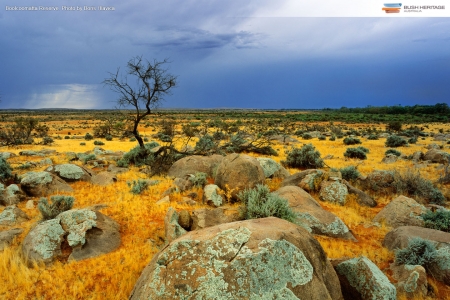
x=437, y=109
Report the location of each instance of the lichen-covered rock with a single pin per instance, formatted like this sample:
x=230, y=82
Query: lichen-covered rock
x=76, y=222
x=437, y=156
x=194, y=164
x=238, y=172
x=272, y=169
x=379, y=180
x=203, y=217
x=256, y=259
x=11, y=195
x=183, y=184
x=69, y=172
x=362, y=198
x=312, y=216
x=7, y=155
x=389, y=159
x=411, y=281
x=334, y=192
x=211, y=196
x=104, y=178
x=312, y=181
x=43, y=243
x=295, y=179
x=172, y=228
x=38, y=184
x=12, y=215
x=185, y=219
x=402, y=211
x=400, y=236
x=7, y=236
x=361, y=279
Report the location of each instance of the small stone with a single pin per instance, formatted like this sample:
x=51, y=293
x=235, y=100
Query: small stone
x=165, y=200
x=30, y=204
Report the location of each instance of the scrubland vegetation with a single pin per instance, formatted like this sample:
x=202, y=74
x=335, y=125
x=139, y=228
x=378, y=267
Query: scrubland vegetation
x=276, y=134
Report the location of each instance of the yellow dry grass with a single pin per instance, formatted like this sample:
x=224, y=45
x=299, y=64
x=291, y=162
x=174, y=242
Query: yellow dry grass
x=112, y=276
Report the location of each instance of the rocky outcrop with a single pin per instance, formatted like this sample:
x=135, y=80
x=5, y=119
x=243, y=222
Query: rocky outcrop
x=402, y=211
x=312, y=216
x=361, y=279
x=202, y=218
x=238, y=172
x=255, y=259
x=38, y=184
x=389, y=159
x=399, y=237
x=333, y=191
x=362, y=198
x=272, y=169
x=437, y=156
x=7, y=236
x=295, y=179
x=411, y=281
x=211, y=195
x=172, y=228
x=194, y=164
x=104, y=178
x=12, y=215
x=11, y=195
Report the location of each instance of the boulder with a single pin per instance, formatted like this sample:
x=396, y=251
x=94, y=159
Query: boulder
x=238, y=172
x=411, y=280
x=69, y=172
x=361, y=279
x=362, y=198
x=7, y=155
x=311, y=182
x=194, y=164
x=402, y=211
x=211, y=196
x=389, y=159
x=185, y=219
x=183, y=184
x=12, y=215
x=202, y=218
x=7, y=236
x=418, y=155
x=11, y=195
x=440, y=267
x=437, y=156
x=433, y=146
x=38, y=184
x=255, y=259
x=104, y=178
x=333, y=191
x=295, y=179
x=172, y=228
x=312, y=216
x=379, y=180
x=272, y=169
x=116, y=170
x=400, y=236
x=88, y=233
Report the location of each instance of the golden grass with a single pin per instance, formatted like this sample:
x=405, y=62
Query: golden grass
x=112, y=276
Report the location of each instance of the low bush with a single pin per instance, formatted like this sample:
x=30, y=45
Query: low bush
x=260, y=203
x=98, y=143
x=138, y=186
x=321, y=138
x=88, y=137
x=88, y=157
x=332, y=138
x=82, y=144
x=199, y=179
x=306, y=136
x=350, y=173
x=305, y=157
x=414, y=185
x=412, y=140
x=67, y=137
x=394, y=141
x=418, y=252
x=358, y=153
x=5, y=169
x=108, y=137
x=138, y=156
x=372, y=137
x=351, y=141
x=392, y=151
x=59, y=204
x=46, y=140
x=439, y=220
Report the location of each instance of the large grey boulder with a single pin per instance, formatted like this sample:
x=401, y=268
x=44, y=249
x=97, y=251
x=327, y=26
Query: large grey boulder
x=12, y=194
x=211, y=195
x=104, y=178
x=272, y=169
x=255, y=259
x=333, y=191
x=389, y=159
x=203, y=217
x=172, y=228
x=402, y=211
x=7, y=236
x=437, y=156
x=312, y=216
x=38, y=184
x=194, y=164
x=70, y=172
x=296, y=179
x=411, y=280
x=238, y=172
x=361, y=279
x=12, y=215
x=400, y=236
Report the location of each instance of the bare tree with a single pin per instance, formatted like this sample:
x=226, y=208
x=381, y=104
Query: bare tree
x=142, y=88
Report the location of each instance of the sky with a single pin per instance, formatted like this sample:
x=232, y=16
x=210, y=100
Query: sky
x=283, y=54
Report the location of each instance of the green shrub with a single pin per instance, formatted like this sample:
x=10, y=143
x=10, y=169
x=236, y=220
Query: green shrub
x=108, y=137
x=67, y=137
x=145, y=139
x=332, y=138
x=322, y=138
x=372, y=137
x=82, y=144
x=88, y=137
x=340, y=136
x=306, y=136
x=98, y=143
x=305, y=157
x=59, y=204
x=439, y=220
x=133, y=139
x=205, y=144
x=88, y=157
x=355, y=153
x=138, y=186
x=46, y=140
x=199, y=179
x=138, y=156
x=394, y=125
x=351, y=141
x=412, y=184
x=5, y=169
x=392, y=151
x=350, y=173
x=412, y=140
x=418, y=252
x=395, y=141
x=260, y=203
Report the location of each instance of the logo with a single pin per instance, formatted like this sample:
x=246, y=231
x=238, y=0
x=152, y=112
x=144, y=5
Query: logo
x=392, y=8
